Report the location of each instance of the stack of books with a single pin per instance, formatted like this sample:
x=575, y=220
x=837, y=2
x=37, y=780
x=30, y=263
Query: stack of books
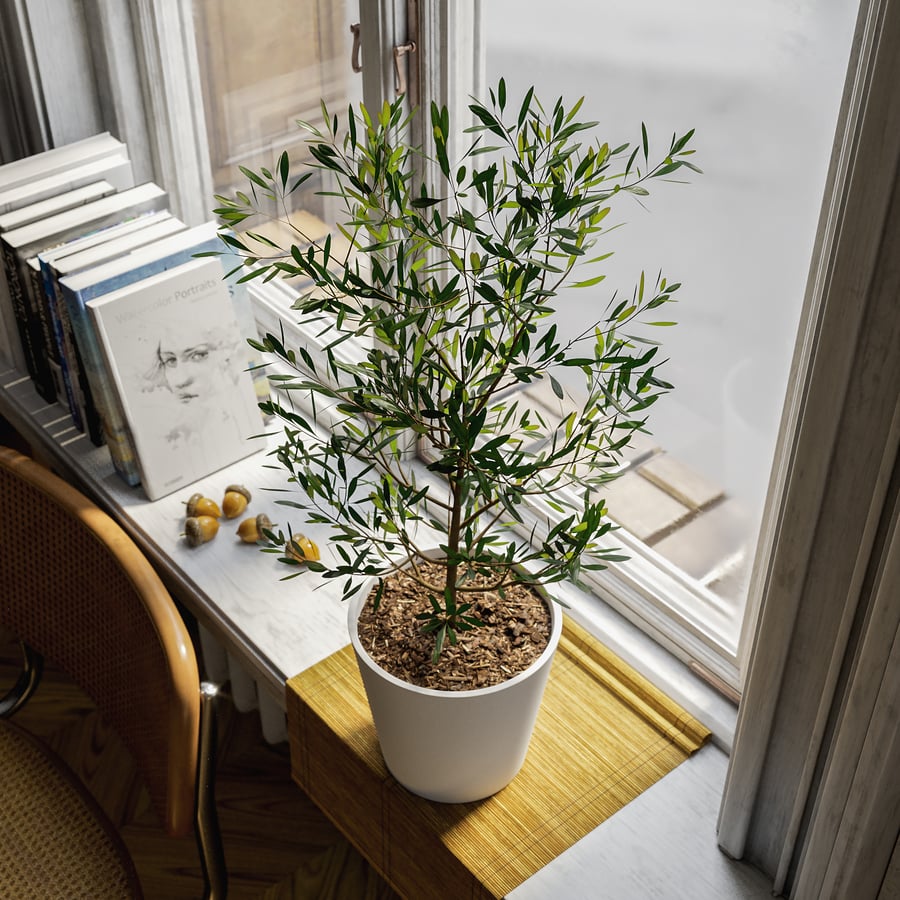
x=131, y=320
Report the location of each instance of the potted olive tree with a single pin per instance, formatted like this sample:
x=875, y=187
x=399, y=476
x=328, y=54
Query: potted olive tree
x=436, y=312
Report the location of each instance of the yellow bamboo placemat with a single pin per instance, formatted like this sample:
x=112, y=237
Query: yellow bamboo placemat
x=604, y=734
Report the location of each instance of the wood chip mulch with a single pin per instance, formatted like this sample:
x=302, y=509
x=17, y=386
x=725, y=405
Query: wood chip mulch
x=515, y=633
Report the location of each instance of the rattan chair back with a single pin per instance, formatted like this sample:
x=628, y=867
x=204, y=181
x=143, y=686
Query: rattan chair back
x=78, y=590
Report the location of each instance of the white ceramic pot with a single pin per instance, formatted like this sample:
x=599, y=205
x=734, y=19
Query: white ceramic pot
x=454, y=746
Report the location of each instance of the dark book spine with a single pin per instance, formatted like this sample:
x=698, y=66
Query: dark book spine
x=40, y=312
x=37, y=365
x=65, y=354
x=92, y=422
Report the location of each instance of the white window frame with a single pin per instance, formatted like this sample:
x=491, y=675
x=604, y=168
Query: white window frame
x=812, y=788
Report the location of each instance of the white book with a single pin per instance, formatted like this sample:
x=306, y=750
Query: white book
x=96, y=214
x=175, y=354
x=86, y=284
x=116, y=169
x=115, y=242
x=86, y=249
x=58, y=159
x=57, y=203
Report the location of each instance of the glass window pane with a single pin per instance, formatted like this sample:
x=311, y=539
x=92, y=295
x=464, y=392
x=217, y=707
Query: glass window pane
x=761, y=83
x=262, y=68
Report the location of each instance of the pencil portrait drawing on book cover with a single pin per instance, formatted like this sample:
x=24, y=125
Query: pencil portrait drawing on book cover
x=179, y=363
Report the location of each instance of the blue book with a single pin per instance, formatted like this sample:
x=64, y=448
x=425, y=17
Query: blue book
x=78, y=289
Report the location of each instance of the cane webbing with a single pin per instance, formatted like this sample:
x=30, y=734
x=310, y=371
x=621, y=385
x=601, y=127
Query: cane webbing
x=54, y=840
x=78, y=591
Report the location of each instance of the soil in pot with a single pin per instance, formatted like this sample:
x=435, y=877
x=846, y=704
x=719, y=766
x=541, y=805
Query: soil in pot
x=515, y=633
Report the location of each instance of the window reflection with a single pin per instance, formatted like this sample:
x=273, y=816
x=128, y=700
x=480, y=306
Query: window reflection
x=263, y=67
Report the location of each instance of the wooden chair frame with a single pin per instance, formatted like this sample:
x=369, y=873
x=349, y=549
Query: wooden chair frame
x=117, y=592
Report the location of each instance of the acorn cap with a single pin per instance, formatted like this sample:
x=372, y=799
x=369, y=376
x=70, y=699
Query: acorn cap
x=250, y=530
x=239, y=489
x=198, y=505
x=200, y=529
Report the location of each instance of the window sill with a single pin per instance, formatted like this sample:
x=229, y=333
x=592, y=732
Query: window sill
x=662, y=844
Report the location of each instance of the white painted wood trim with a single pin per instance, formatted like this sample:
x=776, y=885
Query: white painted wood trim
x=854, y=830
x=56, y=80
x=827, y=358
x=451, y=71
x=119, y=81
x=382, y=24
x=452, y=67
x=449, y=52
x=60, y=67
x=821, y=264
x=25, y=119
x=831, y=697
x=166, y=44
x=768, y=657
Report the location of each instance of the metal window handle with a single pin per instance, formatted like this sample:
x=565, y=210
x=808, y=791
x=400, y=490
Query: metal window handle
x=354, y=54
x=400, y=85
x=399, y=73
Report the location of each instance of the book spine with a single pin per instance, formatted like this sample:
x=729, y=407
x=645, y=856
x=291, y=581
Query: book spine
x=40, y=312
x=80, y=385
x=34, y=362
x=11, y=350
x=92, y=423
x=105, y=397
x=63, y=352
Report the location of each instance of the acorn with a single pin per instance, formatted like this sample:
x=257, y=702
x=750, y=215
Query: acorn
x=198, y=505
x=235, y=500
x=301, y=548
x=200, y=529
x=251, y=530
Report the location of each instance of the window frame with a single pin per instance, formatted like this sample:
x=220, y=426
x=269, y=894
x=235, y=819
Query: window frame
x=828, y=579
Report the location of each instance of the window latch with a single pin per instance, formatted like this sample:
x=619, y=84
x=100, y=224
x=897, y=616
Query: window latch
x=354, y=53
x=400, y=71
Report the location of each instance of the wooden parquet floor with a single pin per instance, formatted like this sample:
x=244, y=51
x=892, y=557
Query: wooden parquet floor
x=278, y=845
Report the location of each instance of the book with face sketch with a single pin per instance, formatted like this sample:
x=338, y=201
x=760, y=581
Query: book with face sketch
x=177, y=359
